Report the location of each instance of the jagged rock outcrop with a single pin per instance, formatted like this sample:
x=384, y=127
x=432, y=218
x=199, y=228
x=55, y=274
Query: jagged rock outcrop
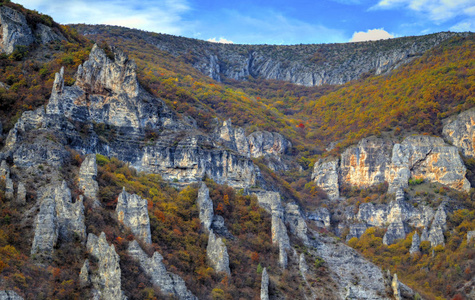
x=321, y=217
x=84, y=278
x=297, y=224
x=233, y=138
x=205, y=206
x=5, y=175
x=325, y=174
x=218, y=254
x=15, y=30
x=132, y=211
x=356, y=230
x=271, y=202
x=395, y=287
x=70, y=216
x=416, y=244
x=106, y=280
x=46, y=229
x=87, y=178
x=438, y=226
x=365, y=164
x=263, y=143
x=21, y=194
x=265, y=285
x=170, y=284
x=374, y=161
x=396, y=230
x=460, y=132
x=10, y=295
x=58, y=218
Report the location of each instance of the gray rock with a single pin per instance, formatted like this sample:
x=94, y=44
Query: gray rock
x=470, y=235
x=9, y=295
x=297, y=224
x=416, y=244
x=325, y=175
x=21, y=194
x=84, y=278
x=4, y=170
x=205, y=206
x=396, y=231
x=425, y=235
x=356, y=230
x=218, y=254
x=395, y=287
x=303, y=267
x=70, y=216
x=46, y=228
x=87, y=178
x=46, y=34
x=133, y=212
x=9, y=191
x=265, y=285
x=15, y=30
x=321, y=217
x=233, y=138
x=263, y=143
x=170, y=284
x=460, y=132
x=106, y=280
x=439, y=225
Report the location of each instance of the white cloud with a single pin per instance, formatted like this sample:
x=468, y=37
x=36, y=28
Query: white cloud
x=151, y=15
x=467, y=25
x=371, y=35
x=437, y=10
x=221, y=40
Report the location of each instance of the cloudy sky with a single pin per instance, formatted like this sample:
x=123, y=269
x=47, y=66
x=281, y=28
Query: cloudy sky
x=269, y=21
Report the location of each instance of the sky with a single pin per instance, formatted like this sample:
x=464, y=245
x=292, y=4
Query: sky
x=269, y=21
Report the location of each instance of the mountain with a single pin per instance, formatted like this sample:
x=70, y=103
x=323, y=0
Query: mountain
x=136, y=165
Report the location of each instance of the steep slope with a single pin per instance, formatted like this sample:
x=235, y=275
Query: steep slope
x=309, y=65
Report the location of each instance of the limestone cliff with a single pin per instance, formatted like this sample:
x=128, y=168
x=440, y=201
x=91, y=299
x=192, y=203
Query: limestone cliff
x=309, y=65
x=170, y=284
x=325, y=174
x=460, y=131
x=205, y=206
x=15, y=31
x=132, y=211
x=106, y=280
x=70, y=216
x=87, y=178
x=218, y=254
x=46, y=229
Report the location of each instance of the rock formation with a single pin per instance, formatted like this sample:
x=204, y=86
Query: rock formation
x=438, y=226
x=170, y=284
x=87, y=178
x=218, y=254
x=21, y=194
x=263, y=143
x=105, y=281
x=5, y=175
x=325, y=175
x=374, y=161
x=470, y=235
x=320, y=216
x=132, y=211
x=396, y=230
x=460, y=132
x=416, y=244
x=70, y=216
x=46, y=228
x=297, y=224
x=205, y=206
x=395, y=287
x=265, y=285
x=9, y=295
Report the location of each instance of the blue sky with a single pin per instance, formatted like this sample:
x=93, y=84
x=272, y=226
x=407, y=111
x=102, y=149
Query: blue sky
x=270, y=21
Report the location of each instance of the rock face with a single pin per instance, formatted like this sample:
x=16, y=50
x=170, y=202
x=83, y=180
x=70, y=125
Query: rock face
x=263, y=143
x=309, y=65
x=395, y=287
x=374, y=161
x=106, y=280
x=396, y=230
x=205, y=206
x=132, y=211
x=170, y=284
x=46, y=229
x=470, y=235
x=87, y=178
x=460, y=132
x=439, y=225
x=271, y=202
x=218, y=254
x=265, y=285
x=9, y=295
x=5, y=175
x=297, y=224
x=325, y=175
x=58, y=218
x=416, y=244
x=15, y=31
x=21, y=194
x=320, y=216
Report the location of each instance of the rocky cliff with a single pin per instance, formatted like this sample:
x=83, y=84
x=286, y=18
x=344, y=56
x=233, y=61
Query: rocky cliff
x=170, y=284
x=87, y=179
x=374, y=161
x=132, y=212
x=460, y=132
x=105, y=281
x=309, y=65
x=15, y=31
x=218, y=254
